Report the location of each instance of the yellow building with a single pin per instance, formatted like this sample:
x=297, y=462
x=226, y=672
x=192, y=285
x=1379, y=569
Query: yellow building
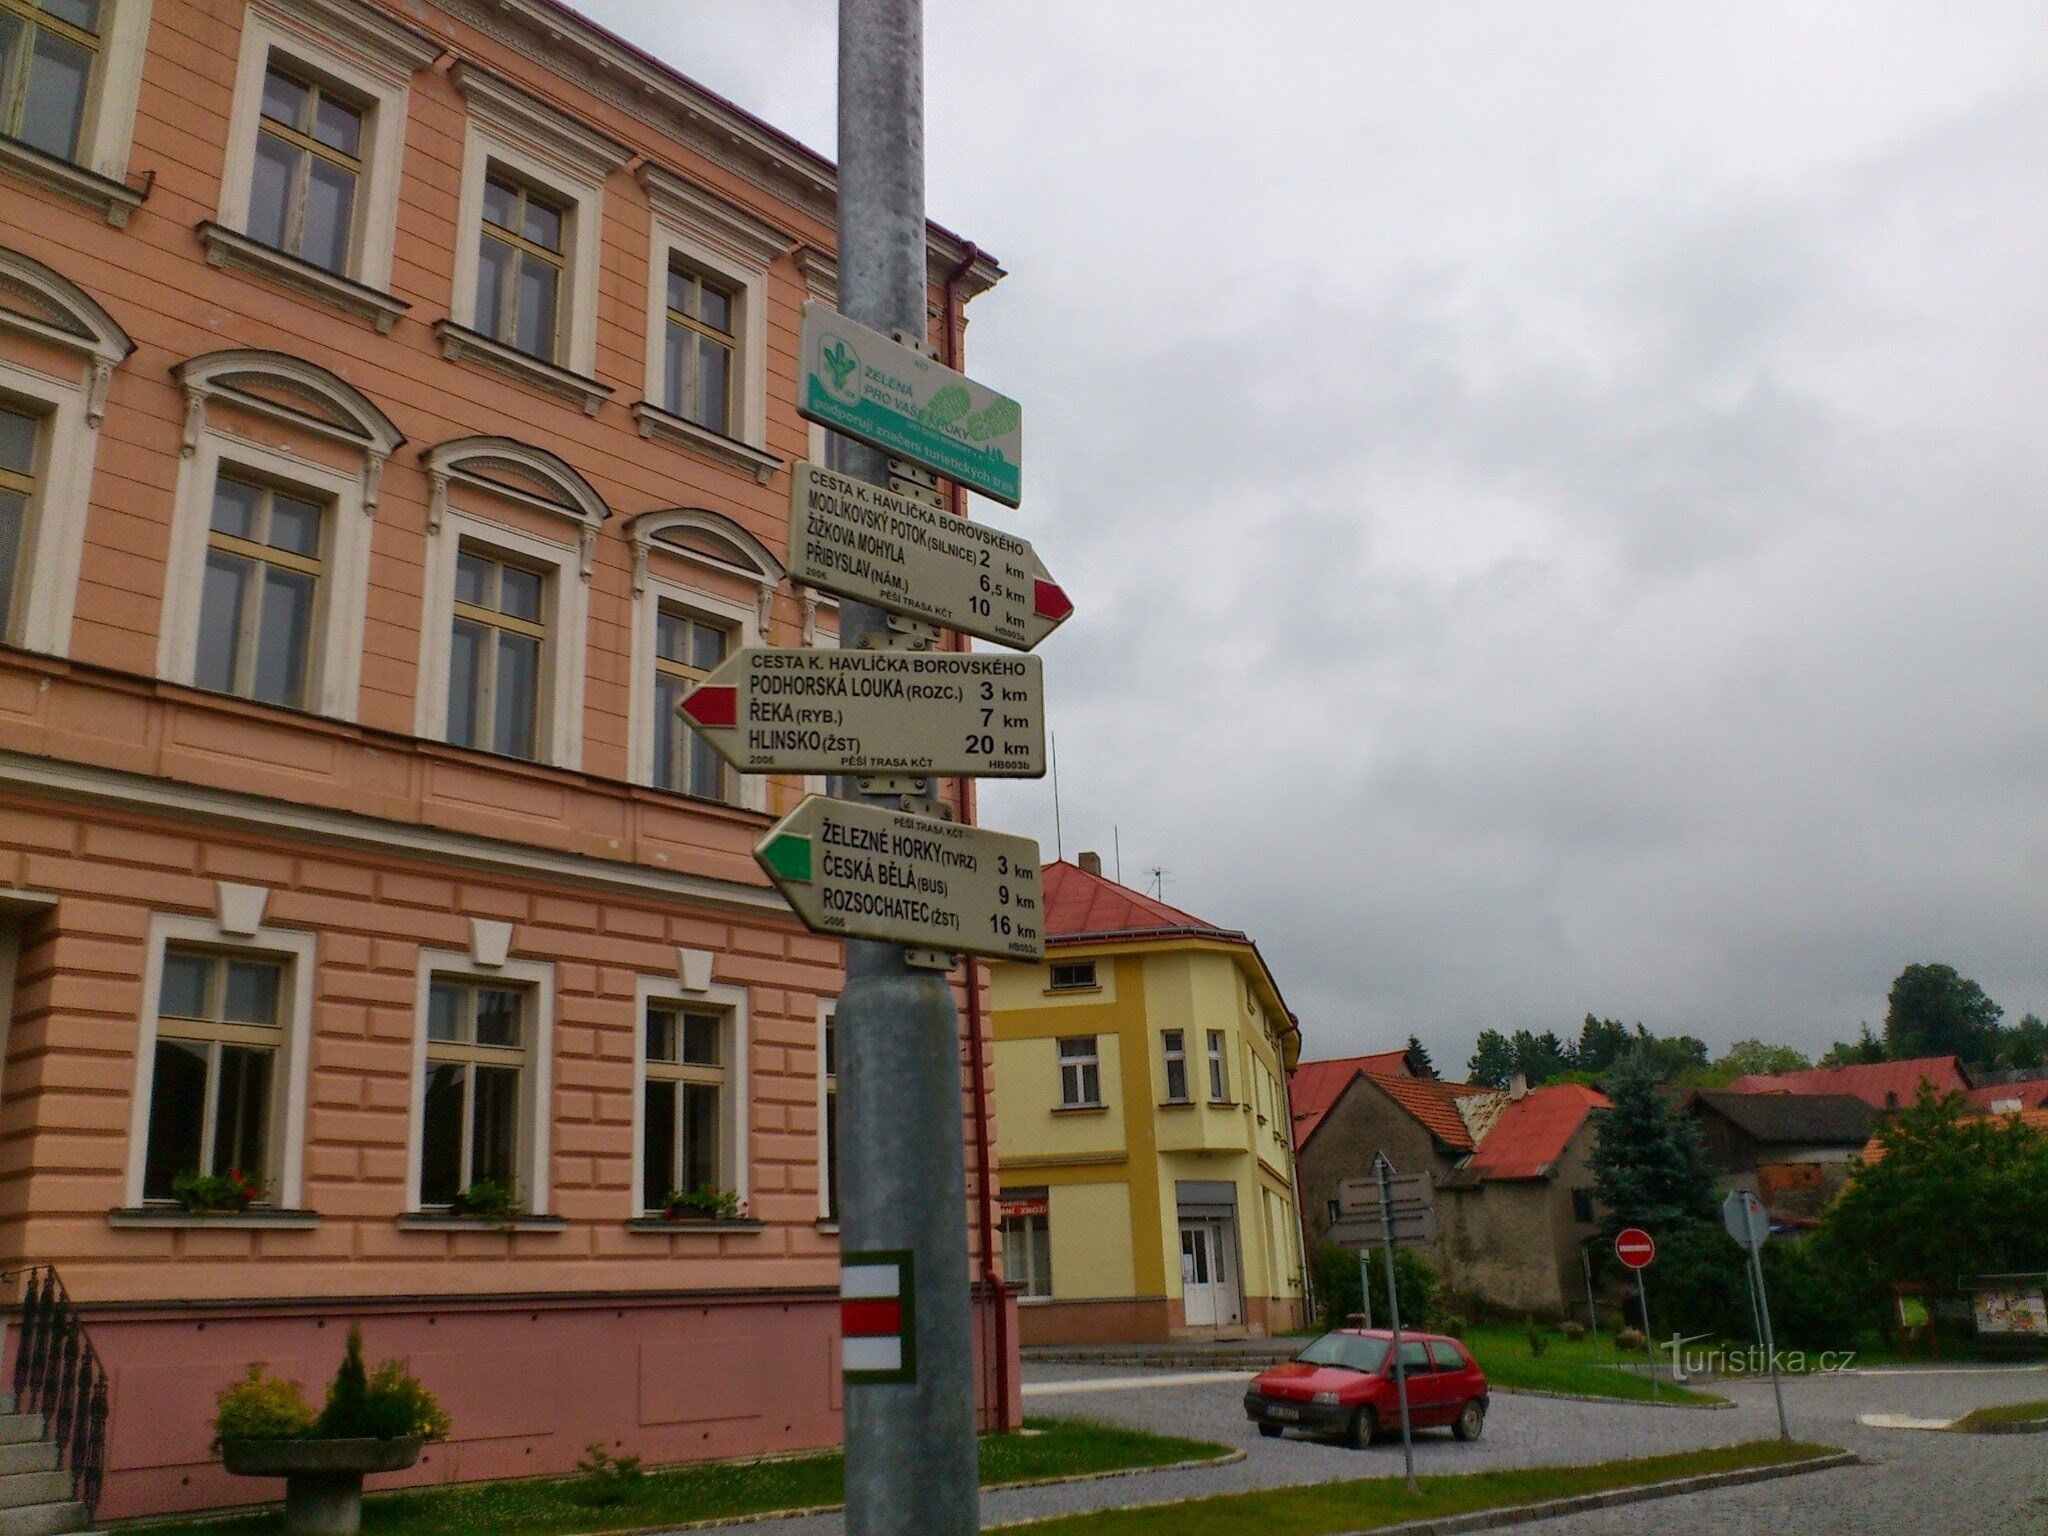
x=1141, y=1112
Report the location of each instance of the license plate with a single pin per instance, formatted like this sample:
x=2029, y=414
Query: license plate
x=1282, y=1411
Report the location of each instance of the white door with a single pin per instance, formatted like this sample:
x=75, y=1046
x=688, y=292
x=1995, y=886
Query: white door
x=1197, y=1275
x=1223, y=1271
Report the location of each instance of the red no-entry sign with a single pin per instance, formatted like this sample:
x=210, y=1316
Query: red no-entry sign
x=1635, y=1248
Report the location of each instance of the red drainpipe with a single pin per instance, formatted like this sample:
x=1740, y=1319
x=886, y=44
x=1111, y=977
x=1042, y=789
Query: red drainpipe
x=984, y=1154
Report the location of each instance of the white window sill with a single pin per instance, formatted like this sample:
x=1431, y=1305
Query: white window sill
x=459, y=341
x=661, y=1226
x=227, y=248
x=829, y=1225
x=447, y=1221
x=257, y=1217
x=654, y=422
x=115, y=200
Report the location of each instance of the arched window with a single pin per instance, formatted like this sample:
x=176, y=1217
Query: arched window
x=702, y=587
x=58, y=353
x=511, y=537
x=270, y=538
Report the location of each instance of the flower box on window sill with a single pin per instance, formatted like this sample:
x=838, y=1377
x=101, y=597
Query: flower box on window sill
x=451, y=1221
x=693, y=1224
x=268, y=1218
x=653, y=421
x=114, y=199
x=459, y=341
x=229, y=248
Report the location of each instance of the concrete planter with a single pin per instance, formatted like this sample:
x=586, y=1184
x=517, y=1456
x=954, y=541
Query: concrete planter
x=323, y=1479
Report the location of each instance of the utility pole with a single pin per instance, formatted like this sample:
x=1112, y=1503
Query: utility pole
x=910, y=1445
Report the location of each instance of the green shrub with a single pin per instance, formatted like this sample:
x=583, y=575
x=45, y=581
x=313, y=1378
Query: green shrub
x=1539, y=1341
x=721, y=1204
x=1337, y=1287
x=230, y=1191
x=1629, y=1340
x=344, y=1417
x=395, y=1403
x=606, y=1479
x=486, y=1197
x=261, y=1407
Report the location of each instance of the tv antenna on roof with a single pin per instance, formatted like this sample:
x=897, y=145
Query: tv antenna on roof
x=1158, y=881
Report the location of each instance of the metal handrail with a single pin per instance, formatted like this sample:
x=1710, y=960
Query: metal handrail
x=58, y=1374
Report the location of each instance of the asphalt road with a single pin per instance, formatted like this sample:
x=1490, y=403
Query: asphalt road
x=1918, y=1483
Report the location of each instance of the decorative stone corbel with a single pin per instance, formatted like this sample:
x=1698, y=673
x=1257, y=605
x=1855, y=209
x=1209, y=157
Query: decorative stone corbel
x=693, y=969
x=639, y=567
x=195, y=418
x=490, y=941
x=239, y=908
x=373, y=472
x=586, y=547
x=97, y=384
x=810, y=601
x=437, y=498
x=764, y=610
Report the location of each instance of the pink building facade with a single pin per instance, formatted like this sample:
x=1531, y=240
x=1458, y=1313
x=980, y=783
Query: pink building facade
x=396, y=411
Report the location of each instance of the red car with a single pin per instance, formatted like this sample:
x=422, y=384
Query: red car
x=1343, y=1384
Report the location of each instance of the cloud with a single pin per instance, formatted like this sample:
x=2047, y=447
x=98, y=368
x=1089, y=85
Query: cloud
x=1555, y=504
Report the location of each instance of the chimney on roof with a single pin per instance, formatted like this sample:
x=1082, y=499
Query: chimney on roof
x=1518, y=1085
x=1091, y=864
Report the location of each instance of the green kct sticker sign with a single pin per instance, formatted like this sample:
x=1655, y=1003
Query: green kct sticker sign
x=892, y=397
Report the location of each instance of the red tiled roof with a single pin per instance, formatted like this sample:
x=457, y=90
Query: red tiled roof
x=1882, y=1084
x=1081, y=906
x=1533, y=1131
x=1432, y=1102
x=2032, y=1095
x=1314, y=1087
x=2033, y=1119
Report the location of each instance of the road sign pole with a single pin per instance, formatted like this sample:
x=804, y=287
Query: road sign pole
x=1763, y=1301
x=1592, y=1313
x=1649, y=1338
x=1383, y=1168
x=1365, y=1285
x=910, y=1446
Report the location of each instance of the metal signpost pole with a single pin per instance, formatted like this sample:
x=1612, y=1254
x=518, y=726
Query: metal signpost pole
x=1365, y=1285
x=910, y=1446
x=1756, y=1270
x=1649, y=1338
x=1383, y=1168
x=1592, y=1313
x=1748, y=1223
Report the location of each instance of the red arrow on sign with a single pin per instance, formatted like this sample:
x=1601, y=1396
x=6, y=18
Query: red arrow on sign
x=1049, y=602
x=718, y=705
x=1635, y=1248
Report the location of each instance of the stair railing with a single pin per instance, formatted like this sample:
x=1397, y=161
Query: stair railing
x=58, y=1374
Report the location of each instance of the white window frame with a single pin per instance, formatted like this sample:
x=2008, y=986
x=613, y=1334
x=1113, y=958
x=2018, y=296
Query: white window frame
x=70, y=410
x=828, y=1010
x=737, y=1041
x=335, y=655
x=299, y=950
x=536, y=1079
x=1218, y=1058
x=558, y=732
x=1080, y=1064
x=564, y=159
x=693, y=229
x=301, y=34
x=1168, y=1055
x=107, y=132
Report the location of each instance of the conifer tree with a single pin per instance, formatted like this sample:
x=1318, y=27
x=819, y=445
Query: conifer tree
x=1650, y=1167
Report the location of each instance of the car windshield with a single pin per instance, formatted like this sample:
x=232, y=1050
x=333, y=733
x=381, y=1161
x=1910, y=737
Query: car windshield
x=1348, y=1351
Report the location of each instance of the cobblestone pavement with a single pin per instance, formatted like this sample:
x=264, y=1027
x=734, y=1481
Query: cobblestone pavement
x=1921, y=1485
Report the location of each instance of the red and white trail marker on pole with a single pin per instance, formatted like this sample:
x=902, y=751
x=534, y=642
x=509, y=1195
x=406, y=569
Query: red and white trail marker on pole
x=877, y=1317
x=1635, y=1247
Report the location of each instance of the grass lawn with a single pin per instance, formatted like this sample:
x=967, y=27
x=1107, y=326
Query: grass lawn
x=1321, y=1508
x=544, y=1507
x=2003, y=1413
x=1565, y=1366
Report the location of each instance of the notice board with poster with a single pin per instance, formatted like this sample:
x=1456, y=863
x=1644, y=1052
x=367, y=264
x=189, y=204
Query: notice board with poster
x=2011, y=1312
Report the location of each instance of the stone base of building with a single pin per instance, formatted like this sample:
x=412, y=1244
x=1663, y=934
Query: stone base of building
x=1147, y=1320
x=529, y=1381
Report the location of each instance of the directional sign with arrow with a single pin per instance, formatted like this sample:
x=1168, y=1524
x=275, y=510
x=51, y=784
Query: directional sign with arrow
x=875, y=546
x=866, y=872
x=766, y=710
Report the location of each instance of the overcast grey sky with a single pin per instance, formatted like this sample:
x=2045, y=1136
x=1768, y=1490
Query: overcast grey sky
x=1555, y=494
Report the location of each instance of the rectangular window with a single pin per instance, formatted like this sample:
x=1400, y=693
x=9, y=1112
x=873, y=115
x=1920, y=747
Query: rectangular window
x=259, y=595
x=1074, y=976
x=470, y=1112
x=1027, y=1243
x=686, y=650
x=219, y=1031
x=831, y=1129
x=496, y=655
x=18, y=434
x=1173, y=1045
x=1582, y=1205
x=1334, y=1211
x=1080, y=1073
x=682, y=1103
x=47, y=52
x=698, y=371
x=1219, y=1073
x=519, y=268
x=309, y=147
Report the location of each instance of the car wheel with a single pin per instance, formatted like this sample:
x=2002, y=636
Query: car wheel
x=1364, y=1425
x=1270, y=1431
x=1470, y=1421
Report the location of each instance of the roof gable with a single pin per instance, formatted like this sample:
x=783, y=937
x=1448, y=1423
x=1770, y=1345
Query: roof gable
x=1314, y=1087
x=1431, y=1102
x=1532, y=1132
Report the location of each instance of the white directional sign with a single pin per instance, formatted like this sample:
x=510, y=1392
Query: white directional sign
x=867, y=872
x=893, y=397
x=1410, y=1230
x=1406, y=1193
x=875, y=546
x=909, y=712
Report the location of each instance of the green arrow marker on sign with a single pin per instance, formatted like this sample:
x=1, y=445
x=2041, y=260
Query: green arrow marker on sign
x=789, y=856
